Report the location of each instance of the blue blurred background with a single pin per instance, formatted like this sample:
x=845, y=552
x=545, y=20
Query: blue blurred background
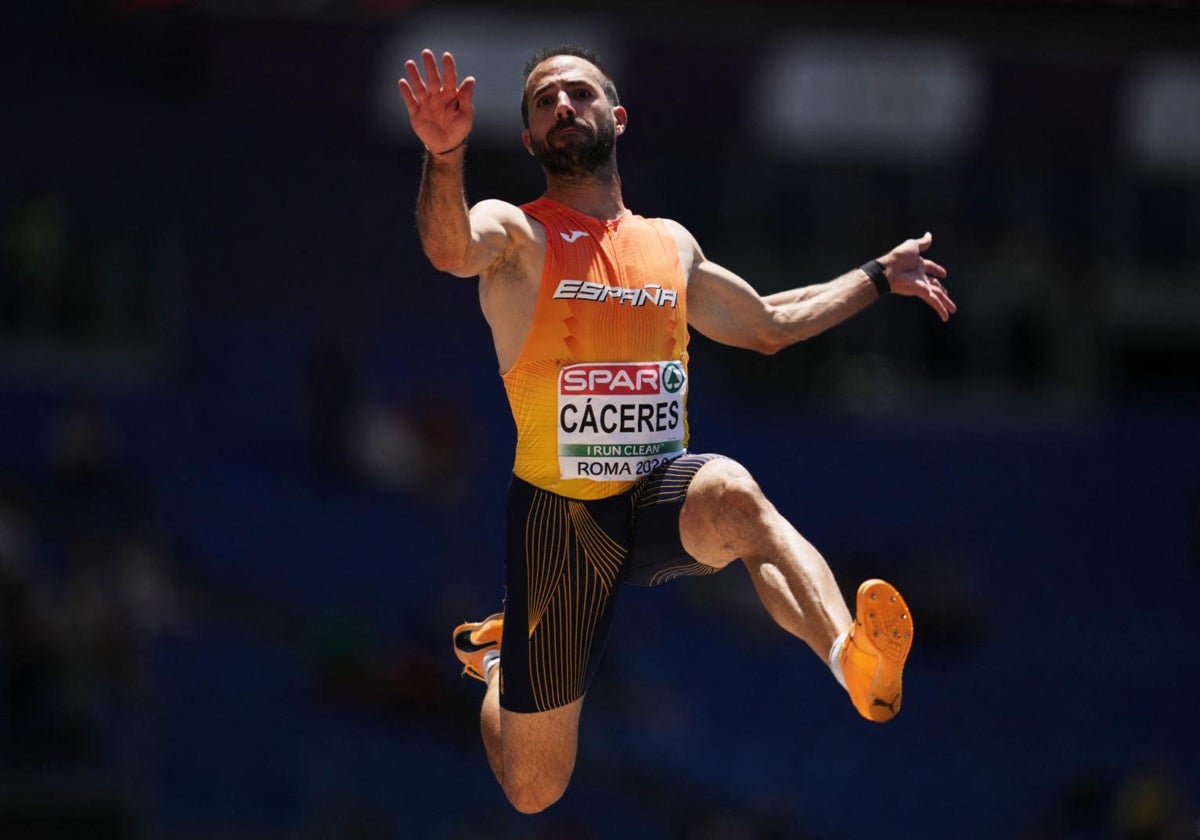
x=253, y=448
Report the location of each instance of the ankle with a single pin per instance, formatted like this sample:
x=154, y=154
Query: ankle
x=490, y=660
x=835, y=658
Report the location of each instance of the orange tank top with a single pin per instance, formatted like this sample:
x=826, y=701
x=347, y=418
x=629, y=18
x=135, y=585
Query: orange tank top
x=599, y=390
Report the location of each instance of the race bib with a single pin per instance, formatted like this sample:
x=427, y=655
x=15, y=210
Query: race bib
x=618, y=421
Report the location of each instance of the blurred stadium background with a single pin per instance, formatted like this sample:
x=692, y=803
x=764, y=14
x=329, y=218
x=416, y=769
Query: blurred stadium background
x=253, y=448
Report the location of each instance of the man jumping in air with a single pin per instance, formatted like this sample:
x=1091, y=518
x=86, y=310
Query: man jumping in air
x=589, y=307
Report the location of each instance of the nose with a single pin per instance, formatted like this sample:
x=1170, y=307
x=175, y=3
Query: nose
x=563, y=109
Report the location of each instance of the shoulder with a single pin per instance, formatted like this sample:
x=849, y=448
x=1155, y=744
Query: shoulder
x=681, y=235
x=524, y=241
x=521, y=230
x=690, y=254
x=509, y=216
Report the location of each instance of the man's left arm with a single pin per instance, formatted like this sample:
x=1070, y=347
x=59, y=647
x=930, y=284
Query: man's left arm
x=724, y=307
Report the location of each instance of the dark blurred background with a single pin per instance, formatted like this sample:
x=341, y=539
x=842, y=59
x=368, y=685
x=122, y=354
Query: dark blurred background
x=253, y=448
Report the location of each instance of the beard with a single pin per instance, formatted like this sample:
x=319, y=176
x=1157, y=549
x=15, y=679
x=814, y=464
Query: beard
x=581, y=157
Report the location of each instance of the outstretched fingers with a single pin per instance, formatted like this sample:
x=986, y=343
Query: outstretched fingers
x=935, y=302
x=935, y=294
x=432, y=75
x=925, y=275
x=410, y=99
x=449, y=72
x=934, y=273
x=412, y=88
x=463, y=90
x=465, y=93
x=932, y=269
x=435, y=83
x=415, y=88
x=439, y=105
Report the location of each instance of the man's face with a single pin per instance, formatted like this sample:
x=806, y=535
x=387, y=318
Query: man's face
x=572, y=125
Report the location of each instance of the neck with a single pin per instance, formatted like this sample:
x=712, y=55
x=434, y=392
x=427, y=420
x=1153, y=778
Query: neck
x=597, y=195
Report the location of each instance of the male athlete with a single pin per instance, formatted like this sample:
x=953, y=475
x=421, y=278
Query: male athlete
x=589, y=307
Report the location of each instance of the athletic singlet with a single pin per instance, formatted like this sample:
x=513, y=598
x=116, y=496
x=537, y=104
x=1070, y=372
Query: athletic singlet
x=599, y=390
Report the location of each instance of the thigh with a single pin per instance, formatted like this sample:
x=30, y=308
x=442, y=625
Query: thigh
x=658, y=553
x=539, y=748
x=563, y=562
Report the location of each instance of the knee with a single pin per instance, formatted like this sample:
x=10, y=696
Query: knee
x=726, y=514
x=533, y=798
x=739, y=501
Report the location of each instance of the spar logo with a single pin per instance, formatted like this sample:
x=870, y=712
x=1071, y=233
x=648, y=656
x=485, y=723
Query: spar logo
x=672, y=377
x=619, y=380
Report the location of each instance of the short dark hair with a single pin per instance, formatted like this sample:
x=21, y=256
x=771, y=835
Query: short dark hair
x=607, y=84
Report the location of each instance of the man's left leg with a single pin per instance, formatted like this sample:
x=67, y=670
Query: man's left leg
x=725, y=516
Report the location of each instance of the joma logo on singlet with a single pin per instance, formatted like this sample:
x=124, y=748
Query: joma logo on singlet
x=587, y=290
x=610, y=380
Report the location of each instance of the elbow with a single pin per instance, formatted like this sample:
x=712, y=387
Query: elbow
x=772, y=341
x=446, y=261
x=773, y=333
x=768, y=346
x=445, y=265
x=445, y=253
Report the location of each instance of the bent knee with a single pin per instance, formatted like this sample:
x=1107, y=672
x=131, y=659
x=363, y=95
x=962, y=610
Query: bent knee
x=735, y=498
x=533, y=798
x=724, y=511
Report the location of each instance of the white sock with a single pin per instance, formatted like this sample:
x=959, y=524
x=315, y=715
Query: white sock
x=491, y=658
x=835, y=658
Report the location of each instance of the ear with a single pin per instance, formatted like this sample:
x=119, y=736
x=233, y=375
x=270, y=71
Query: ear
x=620, y=117
x=528, y=143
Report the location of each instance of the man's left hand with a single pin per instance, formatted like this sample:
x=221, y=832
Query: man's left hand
x=910, y=273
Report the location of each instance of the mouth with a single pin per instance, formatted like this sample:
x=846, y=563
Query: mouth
x=567, y=131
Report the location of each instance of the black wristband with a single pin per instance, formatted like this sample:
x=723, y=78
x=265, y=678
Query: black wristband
x=874, y=270
x=447, y=151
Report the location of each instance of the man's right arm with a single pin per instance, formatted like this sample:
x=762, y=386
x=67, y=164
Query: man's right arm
x=459, y=241
x=456, y=240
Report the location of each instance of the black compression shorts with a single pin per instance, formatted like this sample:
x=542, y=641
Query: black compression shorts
x=565, y=560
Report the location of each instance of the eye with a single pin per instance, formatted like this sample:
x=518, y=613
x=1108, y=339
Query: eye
x=543, y=101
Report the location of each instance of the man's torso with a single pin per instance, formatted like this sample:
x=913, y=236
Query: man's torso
x=590, y=327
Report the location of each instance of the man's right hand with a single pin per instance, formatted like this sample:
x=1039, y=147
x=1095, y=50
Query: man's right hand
x=440, y=109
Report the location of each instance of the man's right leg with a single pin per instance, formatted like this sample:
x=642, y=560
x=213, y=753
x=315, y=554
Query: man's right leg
x=562, y=564
x=531, y=755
